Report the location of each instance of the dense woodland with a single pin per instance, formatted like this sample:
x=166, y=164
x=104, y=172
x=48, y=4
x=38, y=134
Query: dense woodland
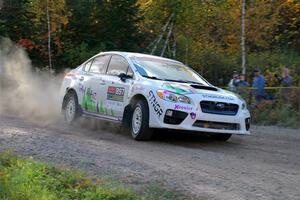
x=205, y=33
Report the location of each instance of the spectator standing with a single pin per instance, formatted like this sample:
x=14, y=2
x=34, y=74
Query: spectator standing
x=285, y=81
x=242, y=86
x=259, y=85
x=242, y=81
x=234, y=82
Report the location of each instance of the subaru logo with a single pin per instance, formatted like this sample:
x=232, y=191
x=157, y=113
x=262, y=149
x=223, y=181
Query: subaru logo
x=220, y=106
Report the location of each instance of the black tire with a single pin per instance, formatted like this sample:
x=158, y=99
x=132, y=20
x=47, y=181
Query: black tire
x=144, y=132
x=221, y=137
x=71, y=98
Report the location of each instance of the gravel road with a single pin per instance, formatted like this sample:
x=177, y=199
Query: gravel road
x=265, y=165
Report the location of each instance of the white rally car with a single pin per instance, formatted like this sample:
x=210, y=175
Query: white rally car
x=146, y=92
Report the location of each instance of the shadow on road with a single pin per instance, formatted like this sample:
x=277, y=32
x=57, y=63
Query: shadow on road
x=114, y=132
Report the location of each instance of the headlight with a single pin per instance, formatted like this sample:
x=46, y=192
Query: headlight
x=171, y=96
x=244, y=106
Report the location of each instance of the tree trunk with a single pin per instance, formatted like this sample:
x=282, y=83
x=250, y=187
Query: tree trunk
x=243, y=37
x=167, y=40
x=161, y=35
x=174, y=44
x=49, y=38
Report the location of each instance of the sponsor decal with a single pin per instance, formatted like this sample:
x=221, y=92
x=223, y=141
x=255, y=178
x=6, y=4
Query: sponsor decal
x=217, y=96
x=115, y=93
x=89, y=101
x=184, y=108
x=193, y=115
x=154, y=103
x=179, y=88
x=90, y=104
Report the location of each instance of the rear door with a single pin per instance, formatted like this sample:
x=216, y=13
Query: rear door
x=116, y=90
x=83, y=77
x=93, y=86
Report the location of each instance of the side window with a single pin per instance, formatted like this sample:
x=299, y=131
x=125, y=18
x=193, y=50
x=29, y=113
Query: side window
x=99, y=64
x=117, y=65
x=87, y=65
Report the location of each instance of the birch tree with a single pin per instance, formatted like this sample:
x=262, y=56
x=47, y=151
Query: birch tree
x=243, y=37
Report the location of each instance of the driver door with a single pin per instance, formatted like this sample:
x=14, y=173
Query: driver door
x=117, y=89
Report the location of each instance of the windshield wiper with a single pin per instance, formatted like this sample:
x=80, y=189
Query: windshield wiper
x=194, y=82
x=180, y=81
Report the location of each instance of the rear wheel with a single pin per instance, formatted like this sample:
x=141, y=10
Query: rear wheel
x=71, y=107
x=139, y=125
x=221, y=136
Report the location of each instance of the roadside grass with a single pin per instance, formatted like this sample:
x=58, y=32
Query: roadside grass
x=284, y=115
x=154, y=191
x=25, y=179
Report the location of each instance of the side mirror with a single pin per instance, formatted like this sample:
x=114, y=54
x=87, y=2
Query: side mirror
x=123, y=77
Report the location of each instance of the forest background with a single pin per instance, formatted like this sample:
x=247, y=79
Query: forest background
x=204, y=34
x=207, y=33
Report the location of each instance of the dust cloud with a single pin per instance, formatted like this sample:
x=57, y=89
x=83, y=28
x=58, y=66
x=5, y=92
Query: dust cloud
x=33, y=94
x=25, y=91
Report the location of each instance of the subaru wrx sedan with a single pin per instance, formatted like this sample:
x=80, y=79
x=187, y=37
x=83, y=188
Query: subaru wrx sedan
x=145, y=92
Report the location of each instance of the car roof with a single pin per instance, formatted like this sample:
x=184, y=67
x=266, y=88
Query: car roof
x=132, y=54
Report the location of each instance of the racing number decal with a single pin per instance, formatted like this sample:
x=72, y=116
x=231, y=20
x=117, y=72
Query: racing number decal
x=115, y=93
x=156, y=107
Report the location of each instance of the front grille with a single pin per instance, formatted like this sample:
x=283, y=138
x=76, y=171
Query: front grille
x=220, y=108
x=216, y=125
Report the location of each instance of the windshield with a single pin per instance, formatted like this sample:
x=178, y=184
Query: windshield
x=168, y=70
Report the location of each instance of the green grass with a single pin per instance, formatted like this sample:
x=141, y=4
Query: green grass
x=280, y=115
x=23, y=179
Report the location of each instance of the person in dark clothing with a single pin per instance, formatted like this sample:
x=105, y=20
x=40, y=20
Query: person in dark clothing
x=285, y=81
x=242, y=86
x=242, y=81
x=232, y=85
x=259, y=85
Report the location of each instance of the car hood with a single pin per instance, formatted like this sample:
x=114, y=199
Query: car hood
x=200, y=91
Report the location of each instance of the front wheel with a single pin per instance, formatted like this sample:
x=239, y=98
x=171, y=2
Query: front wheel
x=221, y=137
x=139, y=126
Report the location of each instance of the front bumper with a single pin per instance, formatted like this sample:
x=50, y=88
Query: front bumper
x=193, y=119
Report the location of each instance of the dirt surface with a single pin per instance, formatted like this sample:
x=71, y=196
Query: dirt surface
x=265, y=165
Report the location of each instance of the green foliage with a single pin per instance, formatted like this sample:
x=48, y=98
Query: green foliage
x=120, y=26
x=274, y=61
x=207, y=32
x=155, y=191
x=90, y=26
x=213, y=62
x=75, y=55
x=283, y=110
x=269, y=114
x=286, y=15
x=26, y=179
x=13, y=20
